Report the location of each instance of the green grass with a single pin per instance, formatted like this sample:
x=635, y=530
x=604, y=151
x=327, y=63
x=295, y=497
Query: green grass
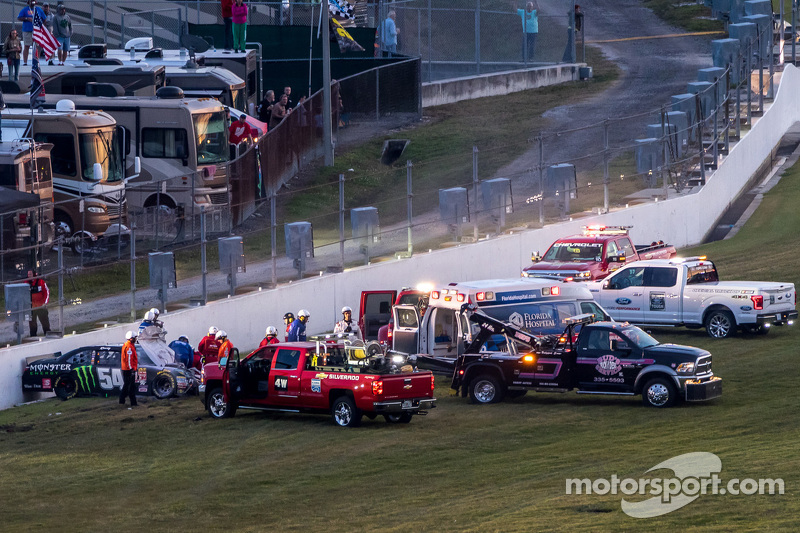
x=691, y=17
x=88, y=465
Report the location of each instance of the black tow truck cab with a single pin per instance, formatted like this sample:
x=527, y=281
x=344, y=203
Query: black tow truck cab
x=589, y=357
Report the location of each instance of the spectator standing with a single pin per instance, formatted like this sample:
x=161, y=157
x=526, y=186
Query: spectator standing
x=530, y=28
x=13, y=48
x=209, y=347
x=298, y=330
x=288, y=92
x=227, y=20
x=62, y=26
x=240, y=131
x=40, y=296
x=389, y=32
x=184, y=353
x=48, y=23
x=265, y=107
x=279, y=112
x=130, y=364
x=239, y=12
x=26, y=17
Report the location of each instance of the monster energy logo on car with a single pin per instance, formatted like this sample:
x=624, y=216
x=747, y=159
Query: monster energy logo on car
x=84, y=373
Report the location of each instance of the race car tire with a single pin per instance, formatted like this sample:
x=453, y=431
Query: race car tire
x=217, y=407
x=659, y=393
x=486, y=389
x=720, y=324
x=514, y=394
x=373, y=348
x=345, y=413
x=65, y=387
x=401, y=418
x=164, y=385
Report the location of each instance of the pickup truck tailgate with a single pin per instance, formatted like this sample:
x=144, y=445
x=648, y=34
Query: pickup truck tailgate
x=410, y=385
x=778, y=298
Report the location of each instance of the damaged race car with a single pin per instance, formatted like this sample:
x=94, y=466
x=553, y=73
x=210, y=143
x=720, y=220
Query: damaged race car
x=95, y=370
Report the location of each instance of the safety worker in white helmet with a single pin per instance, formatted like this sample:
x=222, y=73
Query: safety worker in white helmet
x=156, y=313
x=347, y=324
x=298, y=330
x=225, y=345
x=271, y=337
x=209, y=347
x=129, y=366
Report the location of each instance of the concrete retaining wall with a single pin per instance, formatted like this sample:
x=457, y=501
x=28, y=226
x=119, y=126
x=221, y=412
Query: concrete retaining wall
x=495, y=84
x=682, y=221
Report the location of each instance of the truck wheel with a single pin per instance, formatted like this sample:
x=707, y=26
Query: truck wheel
x=658, y=392
x=65, y=387
x=486, y=389
x=217, y=407
x=402, y=418
x=164, y=385
x=720, y=324
x=345, y=413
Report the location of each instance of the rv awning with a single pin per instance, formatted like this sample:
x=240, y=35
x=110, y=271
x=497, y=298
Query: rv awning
x=11, y=200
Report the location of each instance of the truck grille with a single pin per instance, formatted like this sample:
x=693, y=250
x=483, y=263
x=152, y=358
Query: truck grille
x=703, y=365
x=114, y=210
x=219, y=198
x=554, y=274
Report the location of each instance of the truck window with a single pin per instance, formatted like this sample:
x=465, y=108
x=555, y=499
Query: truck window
x=287, y=359
x=629, y=277
x=574, y=251
x=660, y=276
x=62, y=157
x=597, y=339
x=407, y=318
x=627, y=247
x=611, y=249
x=164, y=143
x=594, y=309
x=704, y=273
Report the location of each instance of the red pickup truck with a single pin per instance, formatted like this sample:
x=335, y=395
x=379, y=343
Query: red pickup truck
x=593, y=255
x=331, y=376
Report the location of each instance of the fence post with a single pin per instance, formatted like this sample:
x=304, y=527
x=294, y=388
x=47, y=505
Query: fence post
x=341, y=219
x=61, y=285
x=377, y=94
x=82, y=206
x=700, y=122
x=541, y=179
x=749, y=83
x=105, y=22
x=91, y=17
x=198, y=12
x=761, y=75
x=727, y=110
x=419, y=32
x=2, y=253
x=410, y=197
x=475, y=182
x=715, y=114
x=606, y=179
x=430, y=63
x=478, y=36
x=133, y=272
x=739, y=105
x=122, y=29
x=203, y=262
x=665, y=138
x=273, y=238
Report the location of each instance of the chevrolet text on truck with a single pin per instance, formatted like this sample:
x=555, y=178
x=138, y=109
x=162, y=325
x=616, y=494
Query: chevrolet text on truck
x=687, y=292
x=589, y=357
x=594, y=254
x=324, y=376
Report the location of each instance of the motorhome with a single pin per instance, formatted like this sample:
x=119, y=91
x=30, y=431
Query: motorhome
x=89, y=201
x=182, y=145
x=72, y=78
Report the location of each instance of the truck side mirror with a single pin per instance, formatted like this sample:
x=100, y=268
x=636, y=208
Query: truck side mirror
x=97, y=169
x=137, y=165
x=535, y=257
x=616, y=258
x=606, y=283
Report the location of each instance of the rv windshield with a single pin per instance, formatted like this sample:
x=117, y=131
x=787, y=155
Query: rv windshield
x=212, y=138
x=237, y=99
x=100, y=147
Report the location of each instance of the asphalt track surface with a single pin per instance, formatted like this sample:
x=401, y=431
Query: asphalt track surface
x=652, y=71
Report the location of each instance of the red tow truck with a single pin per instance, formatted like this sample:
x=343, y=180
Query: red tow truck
x=334, y=375
x=593, y=255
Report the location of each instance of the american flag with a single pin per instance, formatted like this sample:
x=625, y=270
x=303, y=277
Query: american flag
x=42, y=36
x=37, y=85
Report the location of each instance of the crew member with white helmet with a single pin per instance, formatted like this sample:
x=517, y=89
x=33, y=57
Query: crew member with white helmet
x=271, y=337
x=130, y=364
x=209, y=347
x=225, y=345
x=347, y=324
x=298, y=330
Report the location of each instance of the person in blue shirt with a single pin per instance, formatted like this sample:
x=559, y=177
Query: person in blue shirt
x=26, y=17
x=184, y=353
x=389, y=33
x=297, y=331
x=530, y=29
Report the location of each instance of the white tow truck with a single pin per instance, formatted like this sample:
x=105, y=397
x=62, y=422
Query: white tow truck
x=687, y=292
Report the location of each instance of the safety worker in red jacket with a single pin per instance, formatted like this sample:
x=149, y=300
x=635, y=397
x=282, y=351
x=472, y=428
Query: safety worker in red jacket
x=271, y=338
x=225, y=347
x=130, y=364
x=40, y=297
x=209, y=346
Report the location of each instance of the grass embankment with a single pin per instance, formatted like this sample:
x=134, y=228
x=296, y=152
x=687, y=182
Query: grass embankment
x=687, y=15
x=87, y=465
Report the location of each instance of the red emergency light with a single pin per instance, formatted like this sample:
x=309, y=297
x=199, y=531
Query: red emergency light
x=555, y=291
x=460, y=297
x=435, y=295
x=481, y=296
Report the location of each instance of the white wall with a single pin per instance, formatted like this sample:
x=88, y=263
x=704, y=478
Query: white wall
x=681, y=221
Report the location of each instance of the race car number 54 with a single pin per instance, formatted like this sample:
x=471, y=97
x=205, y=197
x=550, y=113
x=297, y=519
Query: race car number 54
x=109, y=378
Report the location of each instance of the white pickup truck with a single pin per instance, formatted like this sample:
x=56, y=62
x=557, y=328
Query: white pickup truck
x=687, y=292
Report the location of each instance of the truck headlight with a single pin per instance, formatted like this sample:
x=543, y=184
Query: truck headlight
x=96, y=210
x=583, y=275
x=685, y=368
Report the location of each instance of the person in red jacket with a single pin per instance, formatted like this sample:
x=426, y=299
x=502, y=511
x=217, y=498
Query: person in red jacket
x=130, y=364
x=227, y=19
x=40, y=297
x=240, y=131
x=209, y=347
x=271, y=338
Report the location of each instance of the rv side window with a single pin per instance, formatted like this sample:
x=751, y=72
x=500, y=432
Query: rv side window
x=164, y=143
x=8, y=176
x=251, y=84
x=62, y=156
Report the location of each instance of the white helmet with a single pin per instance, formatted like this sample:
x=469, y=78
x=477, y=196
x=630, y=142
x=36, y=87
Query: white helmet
x=149, y=316
x=221, y=335
x=303, y=313
x=212, y=330
x=155, y=311
x=346, y=309
x=272, y=330
x=130, y=335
